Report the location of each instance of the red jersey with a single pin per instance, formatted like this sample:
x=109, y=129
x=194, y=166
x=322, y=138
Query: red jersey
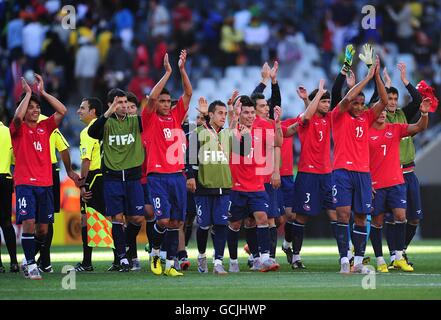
x=165, y=140
x=351, y=140
x=287, y=153
x=33, y=165
x=249, y=172
x=315, y=140
x=270, y=128
x=384, y=152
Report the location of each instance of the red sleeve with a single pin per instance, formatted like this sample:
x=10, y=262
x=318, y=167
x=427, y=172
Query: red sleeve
x=13, y=129
x=146, y=117
x=336, y=114
x=50, y=124
x=402, y=129
x=179, y=111
x=289, y=122
x=370, y=114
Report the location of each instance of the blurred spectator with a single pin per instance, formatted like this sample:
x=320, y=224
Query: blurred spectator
x=118, y=65
x=103, y=41
x=124, y=24
x=86, y=65
x=15, y=34
x=403, y=18
x=242, y=19
x=142, y=57
x=256, y=35
x=343, y=15
x=158, y=20
x=181, y=15
x=33, y=37
x=230, y=42
x=289, y=50
x=211, y=26
x=141, y=84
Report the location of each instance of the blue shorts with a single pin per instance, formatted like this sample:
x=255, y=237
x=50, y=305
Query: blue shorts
x=313, y=192
x=147, y=199
x=125, y=197
x=354, y=189
x=414, y=209
x=191, y=204
x=212, y=210
x=386, y=199
x=168, y=192
x=244, y=204
x=34, y=203
x=275, y=197
x=288, y=191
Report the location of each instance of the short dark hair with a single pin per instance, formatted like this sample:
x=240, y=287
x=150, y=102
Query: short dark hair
x=247, y=101
x=392, y=90
x=165, y=91
x=132, y=98
x=116, y=92
x=325, y=96
x=34, y=98
x=95, y=104
x=212, y=106
x=256, y=96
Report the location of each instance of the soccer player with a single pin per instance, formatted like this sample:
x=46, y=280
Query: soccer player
x=248, y=196
x=388, y=182
x=313, y=184
x=165, y=164
x=6, y=190
x=265, y=119
x=91, y=188
x=350, y=123
x=213, y=183
x=33, y=170
x=60, y=144
x=414, y=211
x=123, y=156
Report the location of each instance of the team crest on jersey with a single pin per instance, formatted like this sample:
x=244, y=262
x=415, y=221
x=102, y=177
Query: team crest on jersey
x=389, y=134
x=324, y=121
x=306, y=207
x=361, y=119
x=40, y=130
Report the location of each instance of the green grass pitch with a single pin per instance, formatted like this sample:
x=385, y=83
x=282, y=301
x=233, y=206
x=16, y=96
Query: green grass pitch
x=320, y=281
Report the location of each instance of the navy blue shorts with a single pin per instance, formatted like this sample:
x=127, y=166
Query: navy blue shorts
x=191, y=204
x=313, y=192
x=414, y=209
x=354, y=189
x=125, y=197
x=212, y=210
x=244, y=204
x=34, y=202
x=386, y=199
x=275, y=197
x=288, y=191
x=168, y=192
x=147, y=198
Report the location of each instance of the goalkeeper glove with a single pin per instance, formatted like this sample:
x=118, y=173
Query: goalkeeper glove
x=368, y=56
x=349, y=55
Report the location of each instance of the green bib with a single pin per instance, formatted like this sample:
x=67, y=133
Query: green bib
x=122, y=145
x=407, y=149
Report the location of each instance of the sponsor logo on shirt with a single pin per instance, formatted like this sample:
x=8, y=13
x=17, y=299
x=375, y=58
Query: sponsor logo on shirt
x=139, y=207
x=349, y=162
x=403, y=201
x=32, y=179
x=374, y=138
x=158, y=166
x=124, y=139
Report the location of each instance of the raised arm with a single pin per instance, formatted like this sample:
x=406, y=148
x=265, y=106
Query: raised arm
x=355, y=91
x=411, y=109
x=423, y=122
x=188, y=90
x=60, y=109
x=276, y=98
x=379, y=106
x=230, y=107
x=23, y=106
x=312, y=107
x=303, y=94
x=156, y=91
x=265, y=72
